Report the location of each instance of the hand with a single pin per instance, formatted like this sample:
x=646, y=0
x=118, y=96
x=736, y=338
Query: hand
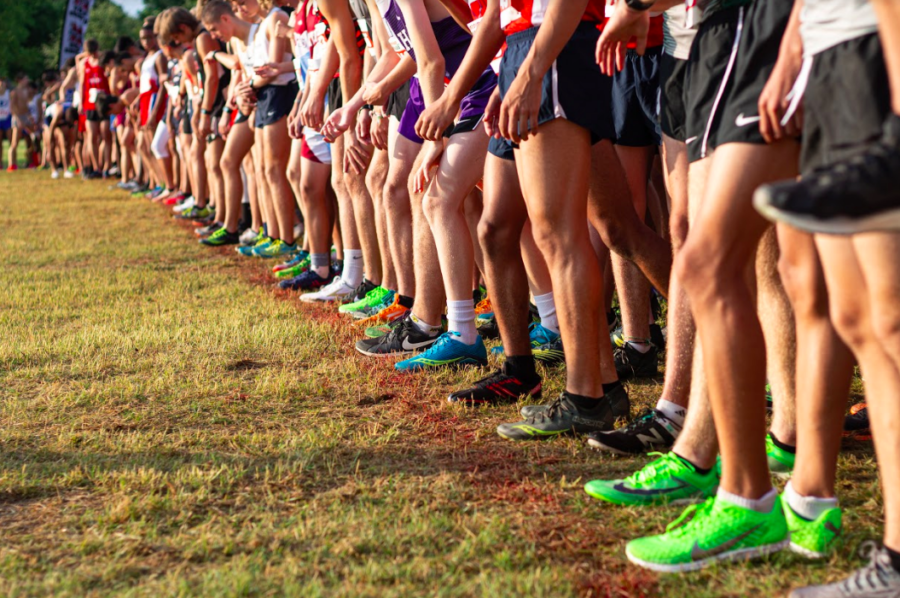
x=774, y=100
x=519, y=110
x=375, y=94
x=431, y=159
x=225, y=125
x=624, y=24
x=151, y=124
x=204, y=127
x=363, y=126
x=436, y=119
x=379, y=130
x=312, y=112
x=267, y=71
x=295, y=127
x=337, y=123
x=245, y=91
x=492, y=115
x=356, y=155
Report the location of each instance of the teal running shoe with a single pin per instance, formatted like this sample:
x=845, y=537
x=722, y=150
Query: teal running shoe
x=446, y=351
x=248, y=250
x=295, y=260
x=537, y=334
x=278, y=248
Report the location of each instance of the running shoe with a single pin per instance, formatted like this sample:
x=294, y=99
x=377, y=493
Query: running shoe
x=856, y=425
x=668, y=479
x=220, y=237
x=380, y=330
x=814, y=539
x=68, y=174
x=631, y=363
x=715, y=531
x=12, y=168
x=781, y=462
x=363, y=289
x=537, y=334
x=196, y=213
x=550, y=353
x=125, y=185
x=277, y=249
x=250, y=237
x=54, y=174
x=498, y=388
x=205, y=231
x=184, y=206
x=652, y=431
x=853, y=196
x=305, y=281
x=618, y=398
x=372, y=298
x=337, y=290
x=247, y=251
x=139, y=191
x=151, y=195
x=297, y=269
x=877, y=579
x=484, y=310
x=562, y=416
x=387, y=314
x=404, y=339
x=617, y=338
x=446, y=351
x=175, y=199
x=295, y=260
x=488, y=328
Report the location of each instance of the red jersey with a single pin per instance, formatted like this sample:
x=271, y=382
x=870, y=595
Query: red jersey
x=519, y=15
x=478, y=8
x=95, y=81
x=654, y=35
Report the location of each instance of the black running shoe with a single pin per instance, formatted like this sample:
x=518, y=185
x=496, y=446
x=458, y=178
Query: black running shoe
x=362, y=290
x=856, y=425
x=562, y=416
x=652, y=431
x=631, y=363
x=855, y=196
x=221, y=237
x=205, y=231
x=498, y=388
x=550, y=353
x=488, y=329
x=402, y=340
x=618, y=399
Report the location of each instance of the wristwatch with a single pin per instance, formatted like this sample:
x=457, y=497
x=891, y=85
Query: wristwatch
x=638, y=5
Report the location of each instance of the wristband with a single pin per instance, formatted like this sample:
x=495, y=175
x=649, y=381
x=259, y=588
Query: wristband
x=228, y=109
x=638, y=5
x=213, y=54
x=367, y=107
x=205, y=112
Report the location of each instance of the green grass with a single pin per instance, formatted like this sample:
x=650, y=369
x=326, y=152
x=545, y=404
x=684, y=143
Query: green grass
x=171, y=426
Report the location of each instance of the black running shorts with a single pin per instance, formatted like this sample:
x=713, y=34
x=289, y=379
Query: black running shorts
x=274, y=102
x=334, y=96
x=672, y=114
x=396, y=102
x=635, y=99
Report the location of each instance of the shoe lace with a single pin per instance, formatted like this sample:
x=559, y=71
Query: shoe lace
x=557, y=406
x=643, y=422
x=876, y=574
x=692, y=514
x=651, y=470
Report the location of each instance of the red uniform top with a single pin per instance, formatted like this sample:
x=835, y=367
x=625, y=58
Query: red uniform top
x=95, y=81
x=519, y=15
x=654, y=35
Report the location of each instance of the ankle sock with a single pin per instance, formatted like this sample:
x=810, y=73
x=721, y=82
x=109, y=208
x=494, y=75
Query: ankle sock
x=581, y=401
x=785, y=447
x=423, y=326
x=808, y=507
x=461, y=319
x=521, y=366
x=547, y=311
x=608, y=388
x=640, y=346
x=673, y=411
x=763, y=504
x=405, y=301
x=352, y=273
x=895, y=558
x=319, y=263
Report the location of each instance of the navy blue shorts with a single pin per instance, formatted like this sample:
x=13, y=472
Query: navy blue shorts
x=635, y=99
x=573, y=88
x=274, y=102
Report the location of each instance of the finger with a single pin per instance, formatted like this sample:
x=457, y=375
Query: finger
x=764, y=129
x=620, y=56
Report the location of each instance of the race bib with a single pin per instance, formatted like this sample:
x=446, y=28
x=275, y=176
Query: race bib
x=508, y=13
x=92, y=94
x=693, y=14
x=367, y=36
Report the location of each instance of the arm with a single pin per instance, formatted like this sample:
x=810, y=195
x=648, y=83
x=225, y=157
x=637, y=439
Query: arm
x=277, y=51
x=774, y=99
x=430, y=60
x=459, y=10
x=162, y=95
x=313, y=108
x=343, y=33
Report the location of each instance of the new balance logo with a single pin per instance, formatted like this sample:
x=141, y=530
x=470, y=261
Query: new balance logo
x=743, y=121
x=650, y=440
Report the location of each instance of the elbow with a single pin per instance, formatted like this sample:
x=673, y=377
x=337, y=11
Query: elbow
x=432, y=66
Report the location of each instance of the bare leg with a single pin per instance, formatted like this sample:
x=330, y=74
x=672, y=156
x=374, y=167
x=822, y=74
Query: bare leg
x=237, y=147
x=398, y=208
x=375, y=183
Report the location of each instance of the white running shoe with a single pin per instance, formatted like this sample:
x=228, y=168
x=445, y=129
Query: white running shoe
x=336, y=290
x=187, y=204
x=68, y=174
x=54, y=174
x=248, y=237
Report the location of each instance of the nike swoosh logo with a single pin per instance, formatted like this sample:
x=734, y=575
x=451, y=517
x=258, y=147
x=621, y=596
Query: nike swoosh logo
x=743, y=121
x=831, y=527
x=698, y=554
x=690, y=140
x=656, y=491
x=408, y=346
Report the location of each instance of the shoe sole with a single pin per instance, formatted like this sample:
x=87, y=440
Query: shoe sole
x=468, y=362
x=653, y=503
x=597, y=445
x=742, y=554
x=370, y=354
x=887, y=221
x=810, y=554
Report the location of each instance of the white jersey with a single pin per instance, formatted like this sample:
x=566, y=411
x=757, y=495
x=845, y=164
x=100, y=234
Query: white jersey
x=259, y=49
x=5, y=112
x=243, y=51
x=827, y=23
x=149, y=76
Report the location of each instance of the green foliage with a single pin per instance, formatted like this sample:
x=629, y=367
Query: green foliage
x=109, y=21
x=154, y=7
x=29, y=35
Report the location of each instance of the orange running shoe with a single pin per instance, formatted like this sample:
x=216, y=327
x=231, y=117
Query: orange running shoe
x=484, y=310
x=386, y=315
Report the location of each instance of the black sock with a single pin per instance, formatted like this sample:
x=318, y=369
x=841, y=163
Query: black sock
x=405, y=301
x=696, y=467
x=608, y=388
x=583, y=402
x=785, y=447
x=895, y=558
x=521, y=366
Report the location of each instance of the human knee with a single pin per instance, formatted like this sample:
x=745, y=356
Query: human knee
x=700, y=271
x=801, y=286
x=850, y=322
x=886, y=325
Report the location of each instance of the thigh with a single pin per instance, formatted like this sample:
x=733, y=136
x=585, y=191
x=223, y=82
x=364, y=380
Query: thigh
x=877, y=254
x=276, y=142
x=240, y=140
x=848, y=292
x=461, y=166
x=503, y=200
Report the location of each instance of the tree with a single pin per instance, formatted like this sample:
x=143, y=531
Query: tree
x=29, y=35
x=109, y=21
x=154, y=7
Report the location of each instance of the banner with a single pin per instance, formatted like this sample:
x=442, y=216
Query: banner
x=74, y=28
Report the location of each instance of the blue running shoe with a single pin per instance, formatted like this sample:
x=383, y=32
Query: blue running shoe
x=539, y=336
x=306, y=281
x=446, y=351
x=247, y=250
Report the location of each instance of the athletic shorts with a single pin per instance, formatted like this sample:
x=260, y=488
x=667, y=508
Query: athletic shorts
x=672, y=114
x=471, y=109
x=845, y=102
x=730, y=61
x=314, y=147
x=241, y=118
x=396, y=102
x=635, y=99
x=274, y=102
x=186, y=118
x=333, y=97
x=574, y=88
x=93, y=116
x=6, y=123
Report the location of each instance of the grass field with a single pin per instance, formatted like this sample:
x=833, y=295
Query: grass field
x=172, y=426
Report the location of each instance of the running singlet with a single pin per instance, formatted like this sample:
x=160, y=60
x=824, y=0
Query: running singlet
x=149, y=86
x=519, y=15
x=95, y=81
x=478, y=8
x=5, y=112
x=300, y=37
x=259, y=50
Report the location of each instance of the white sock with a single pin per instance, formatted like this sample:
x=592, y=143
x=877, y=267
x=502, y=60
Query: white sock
x=764, y=504
x=640, y=347
x=352, y=274
x=673, y=412
x=547, y=311
x=461, y=319
x=422, y=325
x=808, y=507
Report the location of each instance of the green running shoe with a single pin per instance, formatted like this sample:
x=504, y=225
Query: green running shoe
x=781, y=462
x=248, y=250
x=814, y=539
x=373, y=298
x=295, y=270
x=278, y=248
x=668, y=479
x=718, y=531
x=381, y=329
